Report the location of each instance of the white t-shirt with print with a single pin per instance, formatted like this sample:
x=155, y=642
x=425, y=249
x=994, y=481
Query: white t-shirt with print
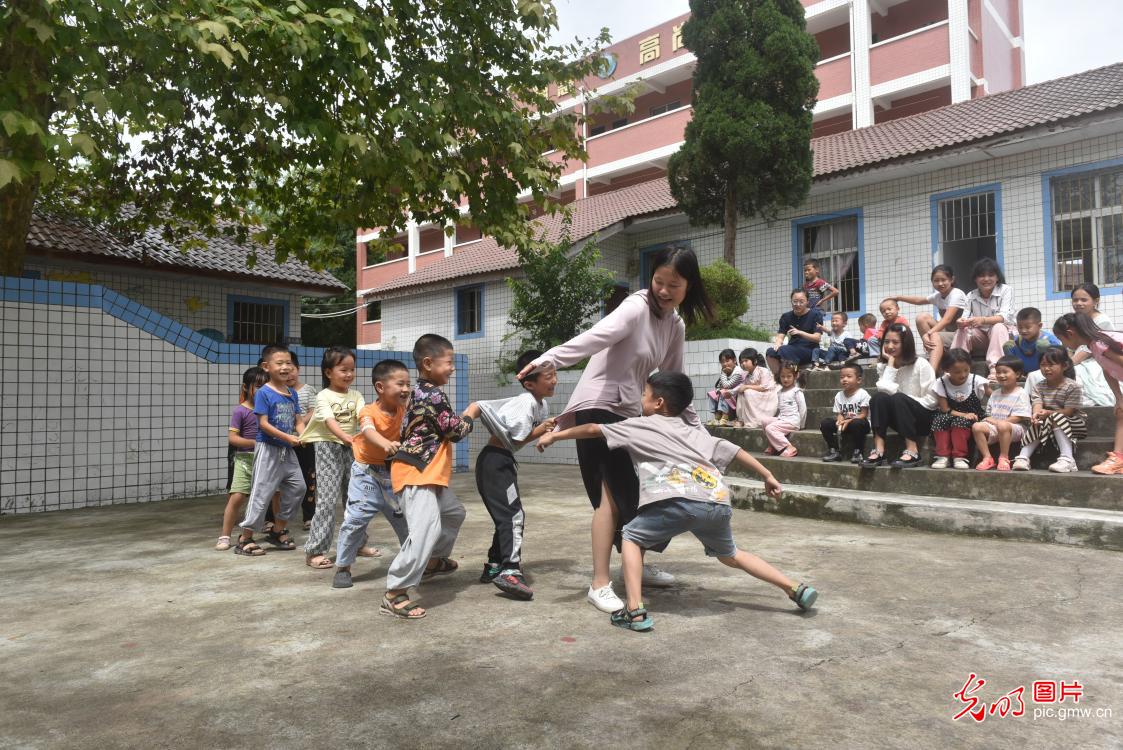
x=955, y=298
x=849, y=406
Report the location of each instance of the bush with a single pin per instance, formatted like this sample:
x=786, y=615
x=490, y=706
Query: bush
x=729, y=291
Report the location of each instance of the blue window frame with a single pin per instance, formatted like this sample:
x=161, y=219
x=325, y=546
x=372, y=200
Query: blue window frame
x=837, y=241
x=256, y=320
x=1083, y=233
x=967, y=227
x=469, y=311
x=647, y=253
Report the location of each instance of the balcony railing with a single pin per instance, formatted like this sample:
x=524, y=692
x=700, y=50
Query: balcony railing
x=909, y=53
x=638, y=137
x=834, y=76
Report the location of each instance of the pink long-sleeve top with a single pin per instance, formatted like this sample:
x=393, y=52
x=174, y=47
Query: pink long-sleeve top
x=625, y=347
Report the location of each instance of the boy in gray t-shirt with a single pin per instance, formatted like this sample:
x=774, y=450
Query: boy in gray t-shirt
x=681, y=490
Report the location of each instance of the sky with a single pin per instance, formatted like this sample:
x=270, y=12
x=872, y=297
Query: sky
x=1062, y=37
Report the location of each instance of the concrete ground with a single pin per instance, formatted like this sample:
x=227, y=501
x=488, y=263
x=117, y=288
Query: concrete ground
x=121, y=627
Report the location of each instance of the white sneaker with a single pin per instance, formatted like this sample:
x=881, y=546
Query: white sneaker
x=941, y=462
x=605, y=599
x=1064, y=465
x=961, y=463
x=1021, y=463
x=653, y=576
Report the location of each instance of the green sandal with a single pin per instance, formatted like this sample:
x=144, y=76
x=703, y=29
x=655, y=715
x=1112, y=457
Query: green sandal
x=280, y=539
x=248, y=547
x=403, y=612
x=804, y=596
x=444, y=565
x=626, y=618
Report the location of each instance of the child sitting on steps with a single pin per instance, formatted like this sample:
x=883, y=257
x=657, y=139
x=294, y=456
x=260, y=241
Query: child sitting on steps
x=791, y=412
x=959, y=398
x=1008, y=410
x=1056, y=413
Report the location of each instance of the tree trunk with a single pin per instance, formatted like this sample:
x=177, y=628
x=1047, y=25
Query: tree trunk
x=730, y=245
x=27, y=63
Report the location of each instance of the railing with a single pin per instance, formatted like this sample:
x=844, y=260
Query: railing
x=909, y=53
x=638, y=137
x=834, y=76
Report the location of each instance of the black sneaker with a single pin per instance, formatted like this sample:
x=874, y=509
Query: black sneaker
x=856, y=456
x=342, y=580
x=511, y=582
x=491, y=570
x=833, y=456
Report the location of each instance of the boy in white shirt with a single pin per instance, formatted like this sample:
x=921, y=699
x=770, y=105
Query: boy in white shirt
x=834, y=344
x=851, y=417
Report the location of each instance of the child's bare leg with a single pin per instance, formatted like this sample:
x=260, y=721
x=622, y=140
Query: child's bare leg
x=234, y=505
x=979, y=432
x=758, y=568
x=1119, y=432
x=924, y=323
x=1005, y=438
x=604, y=532
x=631, y=555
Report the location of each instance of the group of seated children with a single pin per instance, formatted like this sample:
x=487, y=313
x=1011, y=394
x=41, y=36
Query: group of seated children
x=394, y=456
x=939, y=395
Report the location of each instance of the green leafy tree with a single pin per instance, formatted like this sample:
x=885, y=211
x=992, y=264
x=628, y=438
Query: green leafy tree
x=337, y=329
x=747, y=149
x=728, y=290
x=559, y=291
x=284, y=121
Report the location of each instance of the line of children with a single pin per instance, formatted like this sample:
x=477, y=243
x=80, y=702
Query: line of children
x=723, y=396
x=681, y=490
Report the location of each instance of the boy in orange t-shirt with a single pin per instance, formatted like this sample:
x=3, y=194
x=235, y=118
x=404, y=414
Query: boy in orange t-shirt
x=369, y=491
x=420, y=474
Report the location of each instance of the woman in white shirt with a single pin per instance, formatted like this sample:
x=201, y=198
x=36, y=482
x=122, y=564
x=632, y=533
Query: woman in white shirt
x=989, y=318
x=904, y=398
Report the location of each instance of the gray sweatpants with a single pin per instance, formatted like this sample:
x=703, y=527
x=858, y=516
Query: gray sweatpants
x=274, y=467
x=433, y=515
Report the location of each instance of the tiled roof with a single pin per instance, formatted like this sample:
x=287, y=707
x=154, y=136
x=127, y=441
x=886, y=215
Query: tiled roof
x=1086, y=93
x=222, y=256
x=588, y=215
x=952, y=126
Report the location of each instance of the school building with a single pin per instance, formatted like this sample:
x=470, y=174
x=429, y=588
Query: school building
x=1032, y=177
x=880, y=60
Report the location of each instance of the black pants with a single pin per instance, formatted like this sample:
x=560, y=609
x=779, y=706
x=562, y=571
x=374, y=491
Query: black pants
x=306, y=457
x=901, y=412
x=497, y=475
x=854, y=435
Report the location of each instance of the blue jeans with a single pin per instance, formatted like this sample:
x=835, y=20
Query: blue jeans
x=368, y=493
x=836, y=353
x=657, y=523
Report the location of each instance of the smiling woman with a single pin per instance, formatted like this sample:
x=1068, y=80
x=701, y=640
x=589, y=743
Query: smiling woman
x=643, y=334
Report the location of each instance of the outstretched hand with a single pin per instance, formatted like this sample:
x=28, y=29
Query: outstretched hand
x=772, y=487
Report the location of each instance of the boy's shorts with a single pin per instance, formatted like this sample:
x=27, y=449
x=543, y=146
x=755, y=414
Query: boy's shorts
x=1017, y=433
x=243, y=473
x=657, y=523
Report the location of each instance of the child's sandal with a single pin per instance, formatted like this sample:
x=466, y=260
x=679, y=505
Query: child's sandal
x=321, y=562
x=1004, y=464
x=401, y=607
x=248, y=547
x=223, y=544
x=626, y=618
x=281, y=539
x=988, y=463
x=804, y=596
x=444, y=565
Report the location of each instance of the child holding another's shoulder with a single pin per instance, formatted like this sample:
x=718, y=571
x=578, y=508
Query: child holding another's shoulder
x=1008, y=409
x=512, y=422
x=681, y=490
x=1078, y=329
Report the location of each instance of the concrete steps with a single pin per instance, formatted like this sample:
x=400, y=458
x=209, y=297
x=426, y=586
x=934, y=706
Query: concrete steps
x=996, y=520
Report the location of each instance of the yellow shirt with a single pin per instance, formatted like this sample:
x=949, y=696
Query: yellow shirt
x=344, y=408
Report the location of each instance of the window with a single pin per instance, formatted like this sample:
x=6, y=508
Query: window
x=596, y=130
x=661, y=108
x=469, y=312
x=966, y=232
x=619, y=123
x=257, y=321
x=1087, y=229
x=836, y=245
x=374, y=311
